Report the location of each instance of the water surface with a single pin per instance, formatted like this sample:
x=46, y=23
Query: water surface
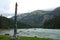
x=42, y=33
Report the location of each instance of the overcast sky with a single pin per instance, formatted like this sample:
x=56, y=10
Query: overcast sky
x=8, y=6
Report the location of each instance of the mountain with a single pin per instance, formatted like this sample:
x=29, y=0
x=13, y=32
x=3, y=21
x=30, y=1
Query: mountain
x=54, y=22
x=7, y=23
x=52, y=14
x=55, y=12
x=38, y=17
x=33, y=18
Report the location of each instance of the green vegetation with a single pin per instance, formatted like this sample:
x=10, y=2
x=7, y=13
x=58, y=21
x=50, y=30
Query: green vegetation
x=6, y=23
x=5, y=37
x=33, y=38
x=52, y=23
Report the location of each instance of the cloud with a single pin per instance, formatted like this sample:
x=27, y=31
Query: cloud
x=8, y=6
x=4, y=6
x=30, y=5
x=27, y=5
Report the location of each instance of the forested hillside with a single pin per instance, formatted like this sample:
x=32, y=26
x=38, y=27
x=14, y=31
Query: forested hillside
x=7, y=23
x=53, y=23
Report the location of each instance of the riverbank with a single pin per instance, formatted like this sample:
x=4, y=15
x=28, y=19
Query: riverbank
x=6, y=37
x=26, y=28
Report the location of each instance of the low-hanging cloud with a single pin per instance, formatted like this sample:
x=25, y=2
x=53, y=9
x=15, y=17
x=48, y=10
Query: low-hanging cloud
x=8, y=6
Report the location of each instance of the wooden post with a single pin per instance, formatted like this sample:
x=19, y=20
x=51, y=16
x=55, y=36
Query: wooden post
x=15, y=23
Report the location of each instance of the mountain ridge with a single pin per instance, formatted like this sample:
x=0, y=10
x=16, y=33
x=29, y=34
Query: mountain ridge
x=37, y=17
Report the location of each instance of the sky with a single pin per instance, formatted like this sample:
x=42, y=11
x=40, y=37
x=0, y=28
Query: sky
x=7, y=7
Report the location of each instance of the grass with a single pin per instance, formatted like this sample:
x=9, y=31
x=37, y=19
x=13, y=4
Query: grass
x=33, y=38
x=5, y=37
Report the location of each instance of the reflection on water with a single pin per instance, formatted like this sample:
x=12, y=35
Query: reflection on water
x=42, y=33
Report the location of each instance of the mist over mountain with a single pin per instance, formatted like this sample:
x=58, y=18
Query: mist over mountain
x=54, y=22
x=37, y=17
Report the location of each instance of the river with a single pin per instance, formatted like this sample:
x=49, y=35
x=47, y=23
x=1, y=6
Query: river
x=32, y=32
